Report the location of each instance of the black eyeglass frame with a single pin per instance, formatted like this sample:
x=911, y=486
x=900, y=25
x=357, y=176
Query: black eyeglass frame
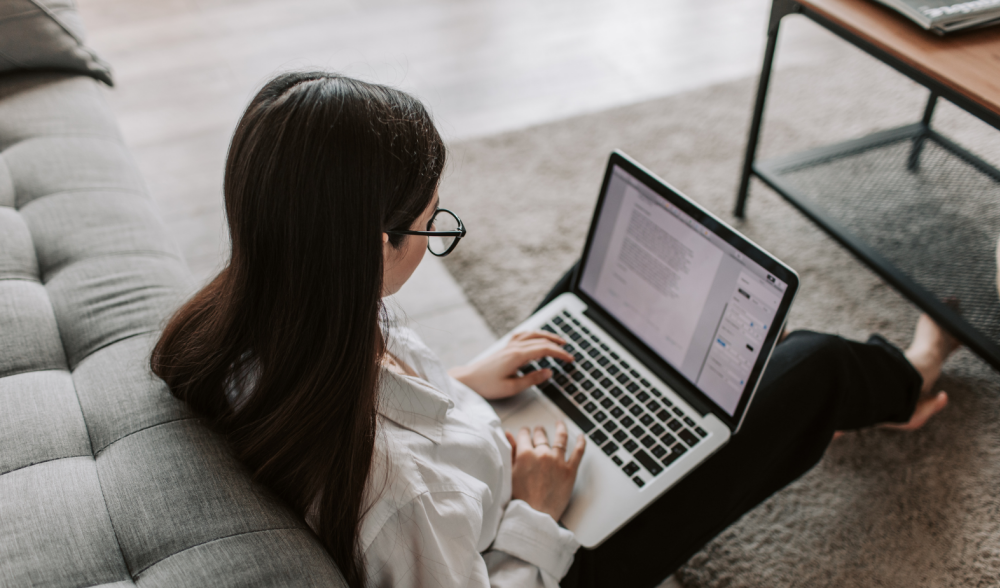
x=457, y=234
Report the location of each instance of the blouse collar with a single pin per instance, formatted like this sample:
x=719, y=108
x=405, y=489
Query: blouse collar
x=413, y=404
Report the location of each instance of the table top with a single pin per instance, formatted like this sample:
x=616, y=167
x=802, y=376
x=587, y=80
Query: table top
x=967, y=61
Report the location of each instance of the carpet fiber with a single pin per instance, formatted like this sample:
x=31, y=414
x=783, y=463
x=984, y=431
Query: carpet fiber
x=882, y=508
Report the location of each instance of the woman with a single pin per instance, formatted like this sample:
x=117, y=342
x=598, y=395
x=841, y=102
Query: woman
x=401, y=469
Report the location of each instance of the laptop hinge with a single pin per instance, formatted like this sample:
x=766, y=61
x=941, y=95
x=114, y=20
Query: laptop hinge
x=655, y=364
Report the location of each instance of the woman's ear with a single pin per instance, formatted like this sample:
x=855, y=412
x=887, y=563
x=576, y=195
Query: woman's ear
x=385, y=238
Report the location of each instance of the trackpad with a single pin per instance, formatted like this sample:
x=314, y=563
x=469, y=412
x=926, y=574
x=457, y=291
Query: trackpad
x=536, y=413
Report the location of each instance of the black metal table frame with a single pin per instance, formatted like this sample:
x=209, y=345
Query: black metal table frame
x=919, y=132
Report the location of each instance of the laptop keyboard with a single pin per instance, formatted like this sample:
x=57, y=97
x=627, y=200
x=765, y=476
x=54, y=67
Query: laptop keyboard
x=641, y=430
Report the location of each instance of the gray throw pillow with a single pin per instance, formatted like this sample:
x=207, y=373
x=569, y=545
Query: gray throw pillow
x=46, y=34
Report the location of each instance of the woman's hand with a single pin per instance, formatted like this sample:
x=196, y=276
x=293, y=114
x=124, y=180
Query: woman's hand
x=495, y=377
x=542, y=476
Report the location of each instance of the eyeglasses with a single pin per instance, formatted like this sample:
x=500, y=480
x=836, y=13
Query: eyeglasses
x=444, y=231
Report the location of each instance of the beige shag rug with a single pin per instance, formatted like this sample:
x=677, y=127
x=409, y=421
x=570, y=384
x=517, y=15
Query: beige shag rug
x=882, y=508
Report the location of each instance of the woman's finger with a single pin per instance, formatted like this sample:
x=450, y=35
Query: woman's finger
x=513, y=447
x=560, y=441
x=577, y=456
x=523, y=440
x=531, y=351
x=529, y=335
x=515, y=385
x=541, y=437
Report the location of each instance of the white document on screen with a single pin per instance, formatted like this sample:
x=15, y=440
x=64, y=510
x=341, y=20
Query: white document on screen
x=657, y=275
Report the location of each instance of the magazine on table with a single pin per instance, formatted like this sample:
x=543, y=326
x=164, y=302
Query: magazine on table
x=945, y=16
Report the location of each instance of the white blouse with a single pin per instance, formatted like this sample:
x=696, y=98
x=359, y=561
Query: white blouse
x=440, y=490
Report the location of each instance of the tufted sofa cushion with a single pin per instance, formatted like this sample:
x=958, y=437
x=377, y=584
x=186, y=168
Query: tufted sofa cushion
x=105, y=478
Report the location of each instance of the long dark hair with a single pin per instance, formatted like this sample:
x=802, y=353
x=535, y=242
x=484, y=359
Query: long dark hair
x=319, y=167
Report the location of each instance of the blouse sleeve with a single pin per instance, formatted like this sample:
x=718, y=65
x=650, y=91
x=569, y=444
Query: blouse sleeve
x=432, y=541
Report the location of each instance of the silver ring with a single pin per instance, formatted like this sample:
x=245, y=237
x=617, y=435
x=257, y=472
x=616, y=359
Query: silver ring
x=559, y=447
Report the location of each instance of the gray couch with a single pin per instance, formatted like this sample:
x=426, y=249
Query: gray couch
x=105, y=478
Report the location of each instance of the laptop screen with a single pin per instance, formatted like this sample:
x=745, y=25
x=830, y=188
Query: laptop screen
x=688, y=294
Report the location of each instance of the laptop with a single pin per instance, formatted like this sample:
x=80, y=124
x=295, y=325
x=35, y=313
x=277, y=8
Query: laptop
x=672, y=317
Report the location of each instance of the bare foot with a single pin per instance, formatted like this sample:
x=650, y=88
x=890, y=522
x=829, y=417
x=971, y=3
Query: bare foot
x=927, y=407
x=930, y=349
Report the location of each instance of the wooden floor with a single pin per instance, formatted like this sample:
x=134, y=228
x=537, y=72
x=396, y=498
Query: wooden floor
x=185, y=69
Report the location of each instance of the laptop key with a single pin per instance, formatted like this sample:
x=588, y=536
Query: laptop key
x=631, y=446
x=657, y=429
x=635, y=374
x=636, y=410
x=638, y=481
x=674, y=425
x=688, y=437
x=607, y=403
x=603, y=361
x=528, y=368
x=679, y=449
x=561, y=379
x=594, y=352
x=596, y=373
x=645, y=419
x=701, y=432
x=548, y=328
x=590, y=407
x=678, y=411
x=617, y=412
x=622, y=378
x=621, y=436
x=632, y=386
x=630, y=468
x=645, y=382
x=583, y=343
x=689, y=422
x=637, y=432
x=571, y=389
x=626, y=401
x=606, y=383
x=617, y=460
x=653, y=406
x=658, y=451
x=648, y=462
x=599, y=416
x=648, y=441
x=668, y=439
x=580, y=398
x=669, y=458
x=610, y=426
x=655, y=392
x=587, y=385
x=613, y=369
x=599, y=437
x=597, y=394
x=642, y=397
x=610, y=448
x=616, y=391
x=585, y=366
x=567, y=406
x=663, y=415
x=577, y=376
x=626, y=422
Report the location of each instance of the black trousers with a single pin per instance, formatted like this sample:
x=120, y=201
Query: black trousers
x=814, y=385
